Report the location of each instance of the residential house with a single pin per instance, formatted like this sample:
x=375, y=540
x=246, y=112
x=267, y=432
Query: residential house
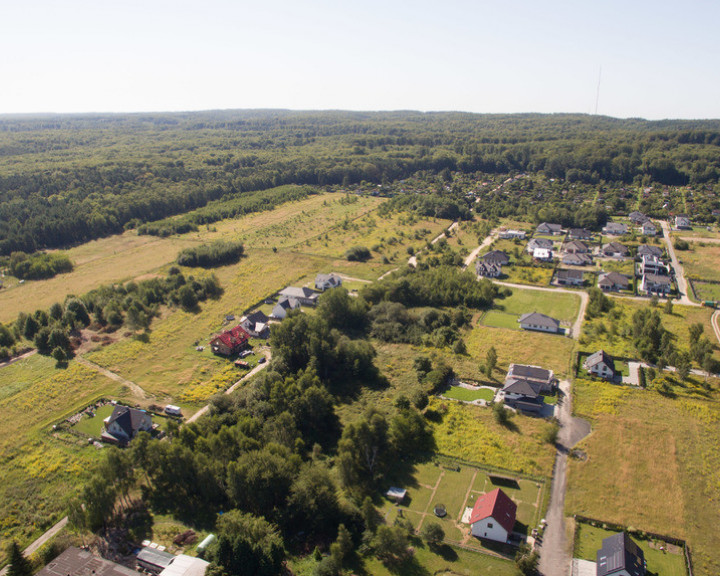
x=615, y=250
x=124, y=423
x=77, y=562
x=305, y=296
x=522, y=395
x=488, y=270
x=542, y=376
x=570, y=277
x=638, y=218
x=613, y=282
x=600, y=364
x=536, y=243
x=648, y=228
x=325, y=281
x=493, y=516
x=683, y=223
x=579, y=234
x=512, y=234
x=576, y=259
x=256, y=324
x=620, y=556
x=615, y=229
x=575, y=247
x=284, y=305
x=230, y=342
x=655, y=284
x=153, y=560
x=539, y=322
x=496, y=257
x=652, y=265
x=542, y=254
x=646, y=250
x=549, y=229
x=184, y=565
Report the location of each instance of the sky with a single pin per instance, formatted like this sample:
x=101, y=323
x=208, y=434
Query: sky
x=651, y=59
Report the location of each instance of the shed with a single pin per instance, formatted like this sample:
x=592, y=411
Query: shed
x=397, y=494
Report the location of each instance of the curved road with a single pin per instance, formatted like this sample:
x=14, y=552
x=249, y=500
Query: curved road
x=474, y=253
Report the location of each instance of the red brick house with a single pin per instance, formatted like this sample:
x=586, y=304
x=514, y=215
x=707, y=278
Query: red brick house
x=230, y=342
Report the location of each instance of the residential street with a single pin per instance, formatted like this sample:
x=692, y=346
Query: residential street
x=679, y=272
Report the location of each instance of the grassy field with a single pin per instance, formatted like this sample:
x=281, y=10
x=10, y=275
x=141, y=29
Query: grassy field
x=707, y=291
x=558, y=305
x=467, y=395
x=701, y=261
x=531, y=275
x=589, y=541
x=40, y=472
x=664, y=474
x=498, y=319
x=92, y=426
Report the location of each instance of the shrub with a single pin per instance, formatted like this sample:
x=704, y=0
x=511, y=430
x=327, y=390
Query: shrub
x=358, y=254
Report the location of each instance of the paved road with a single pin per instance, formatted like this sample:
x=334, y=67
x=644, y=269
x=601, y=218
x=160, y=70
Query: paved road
x=250, y=374
x=40, y=541
x=679, y=272
x=474, y=253
x=584, y=299
x=136, y=389
x=555, y=548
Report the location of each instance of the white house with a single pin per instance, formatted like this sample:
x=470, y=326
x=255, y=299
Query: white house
x=493, y=516
x=305, y=296
x=652, y=265
x=326, y=281
x=683, y=223
x=543, y=254
x=600, y=364
x=539, y=322
x=648, y=228
x=256, y=324
x=282, y=308
x=655, y=284
x=512, y=234
x=124, y=423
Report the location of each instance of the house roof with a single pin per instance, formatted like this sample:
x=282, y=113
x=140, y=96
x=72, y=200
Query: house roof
x=530, y=372
x=496, y=257
x=570, y=274
x=576, y=259
x=540, y=243
x=233, y=337
x=496, y=505
x=487, y=268
x=645, y=250
x=619, y=553
x=523, y=387
x=332, y=277
x=539, y=320
x=638, y=217
x=184, y=565
x=657, y=279
x=600, y=357
x=155, y=557
x=128, y=419
x=612, y=247
x=614, y=279
x=576, y=245
x=256, y=317
x=294, y=292
x=579, y=233
x=77, y=562
x=288, y=303
x=616, y=227
x=550, y=227
x=542, y=253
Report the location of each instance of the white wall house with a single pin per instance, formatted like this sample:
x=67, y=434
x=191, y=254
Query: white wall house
x=493, y=516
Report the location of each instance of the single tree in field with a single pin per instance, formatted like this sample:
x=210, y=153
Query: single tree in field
x=18, y=564
x=490, y=361
x=433, y=534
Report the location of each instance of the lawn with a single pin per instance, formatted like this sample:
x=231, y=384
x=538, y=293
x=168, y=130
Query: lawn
x=92, y=426
x=665, y=476
x=706, y=291
x=531, y=275
x=557, y=305
x=701, y=261
x=588, y=540
x=499, y=319
x=467, y=395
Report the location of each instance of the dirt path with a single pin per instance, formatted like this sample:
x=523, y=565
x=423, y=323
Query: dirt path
x=21, y=357
x=715, y=321
x=679, y=272
x=352, y=279
x=584, y=299
x=484, y=244
x=250, y=374
x=136, y=389
x=40, y=541
x=412, y=261
x=700, y=239
x=555, y=548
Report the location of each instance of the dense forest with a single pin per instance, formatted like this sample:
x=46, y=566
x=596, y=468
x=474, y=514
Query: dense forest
x=67, y=179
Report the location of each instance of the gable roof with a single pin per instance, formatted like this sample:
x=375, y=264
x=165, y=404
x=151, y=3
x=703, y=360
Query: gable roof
x=294, y=292
x=576, y=259
x=523, y=387
x=638, y=217
x=332, y=277
x=580, y=233
x=530, y=372
x=569, y=274
x=539, y=320
x=618, y=553
x=614, y=279
x=598, y=357
x=549, y=227
x=288, y=303
x=540, y=243
x=645, y=250
x=615, y=247
x=616, y=227
x=657, y=279
x=128, y=419
x=487, y=268
x=233, y=337
x=576, y=245
x=496, y=257
x=496, y=505
x=256, y=317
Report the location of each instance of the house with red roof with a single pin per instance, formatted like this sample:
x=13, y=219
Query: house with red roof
x=230, y=342
x=493, y=516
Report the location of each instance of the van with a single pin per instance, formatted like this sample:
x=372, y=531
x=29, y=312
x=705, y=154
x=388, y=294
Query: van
x=173, y=410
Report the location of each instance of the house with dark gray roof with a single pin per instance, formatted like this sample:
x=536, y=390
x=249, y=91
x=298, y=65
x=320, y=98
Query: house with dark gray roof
x=124, y=423
x=256, y=324
x=620, y=556
x=615, y=229
x=615, y=250
x=648, y=228
x=646, y=250
x=579, y=234
x=655, y=284
x=326, y=281
x=536, y=243
x=304, y=295
x=522, y=395
x=545, y=378
x=539, y=322
x=487, y=269
x=284, y=305
x=569, y=277
x=600, y=364
x=576, y=259
x=575, y=247
x=551, y=229
x=496, y=257
x=77, y=562
x=638, y=217
x=613, y=281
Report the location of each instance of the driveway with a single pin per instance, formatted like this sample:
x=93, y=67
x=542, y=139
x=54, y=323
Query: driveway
x=555, y=548
x=484, y=244
x=679, y=272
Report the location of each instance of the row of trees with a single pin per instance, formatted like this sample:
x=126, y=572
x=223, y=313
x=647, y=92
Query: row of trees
x=38, y=266
x=219, y=253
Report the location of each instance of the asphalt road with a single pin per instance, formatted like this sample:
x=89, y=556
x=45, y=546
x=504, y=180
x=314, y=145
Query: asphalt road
x=679, y=272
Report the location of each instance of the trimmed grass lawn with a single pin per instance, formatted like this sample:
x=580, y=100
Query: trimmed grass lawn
x=589, y=541
x=498, y=319
x=92, y=426
x=665, y=476
x=460, y=393
x=557, y=305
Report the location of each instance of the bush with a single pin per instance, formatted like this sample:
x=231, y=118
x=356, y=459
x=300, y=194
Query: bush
x=218, y=253
x=39, y=266
x=358, y=254
x=433, y=533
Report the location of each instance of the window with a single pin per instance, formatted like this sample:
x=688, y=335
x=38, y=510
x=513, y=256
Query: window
x=490, y=525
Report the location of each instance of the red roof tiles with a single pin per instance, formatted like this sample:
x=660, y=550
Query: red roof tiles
x=498, y=506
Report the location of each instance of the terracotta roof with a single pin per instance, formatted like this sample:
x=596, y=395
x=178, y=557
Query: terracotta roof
x=496, y=505
x=234, y=337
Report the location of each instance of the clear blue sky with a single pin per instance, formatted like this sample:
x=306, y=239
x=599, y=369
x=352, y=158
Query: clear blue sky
x=659, y=59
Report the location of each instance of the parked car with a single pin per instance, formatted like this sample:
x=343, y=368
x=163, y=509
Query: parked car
x=262, y=360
